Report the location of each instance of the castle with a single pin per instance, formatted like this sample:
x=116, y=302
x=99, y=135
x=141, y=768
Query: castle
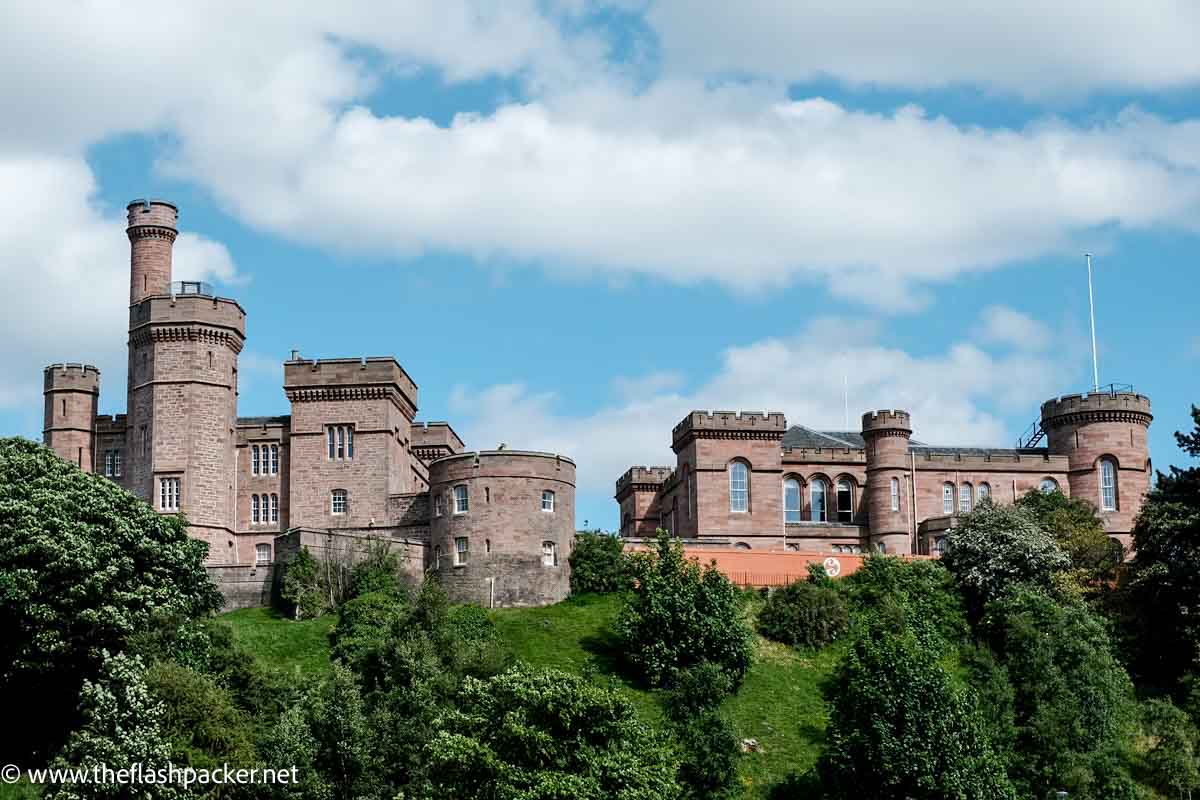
x=748, y=481
x=350, y=464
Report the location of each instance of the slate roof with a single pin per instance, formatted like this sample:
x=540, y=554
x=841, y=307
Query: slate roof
x=801, y=437
x=248, y=422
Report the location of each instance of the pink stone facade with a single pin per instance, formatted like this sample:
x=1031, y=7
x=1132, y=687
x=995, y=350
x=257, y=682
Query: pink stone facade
x=349, y=465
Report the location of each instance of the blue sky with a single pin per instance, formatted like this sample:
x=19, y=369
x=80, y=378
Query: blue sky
x=574, y=221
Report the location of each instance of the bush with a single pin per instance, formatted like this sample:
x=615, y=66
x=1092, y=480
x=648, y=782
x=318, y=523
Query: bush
x=709, y=755
x=916, y=590
x=364, y=624
x=598, y=564
x=696, y=690
x=804, y=614
x=680, y=614
x=303, y=588
x=84, y=567
x=379, y=571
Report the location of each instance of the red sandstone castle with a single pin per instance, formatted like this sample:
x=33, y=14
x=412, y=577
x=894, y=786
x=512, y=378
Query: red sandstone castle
x=748, y=481
x=348, y=465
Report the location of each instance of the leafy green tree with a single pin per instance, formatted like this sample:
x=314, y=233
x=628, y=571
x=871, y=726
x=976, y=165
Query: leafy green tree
x=900, y=728
x=84, y=566
x=994, y=550
x=303, y=587
x=291, y=743
x=680, y=614
x=364, y=624
x=1079, y=531
x=380, y=570
x=1171, y=759
x=1072, y=700
x=804, y=614
x=709, y=750
x=915, y=590
x=121, y=728
x=545, y=735
x=598, y=564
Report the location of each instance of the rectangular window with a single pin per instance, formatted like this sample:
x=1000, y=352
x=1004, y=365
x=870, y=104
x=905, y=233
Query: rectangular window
x=262, y=554
x=338, y=502
x=254, y=460
x=254, y=509
x=274, y=508
x=460, y=551
x=168, y=494
x=117, y=463
x=964, y=498
x=461, y=503
x=108, y=463
x=948, y=498
x=332, y=453
x=549, y=554
x=439, y=505
x=1108, y=486
x=349, y=442
x=547, y=501
x=145, y=441
x=895, y=494
x=341, y=442
x=274, y=459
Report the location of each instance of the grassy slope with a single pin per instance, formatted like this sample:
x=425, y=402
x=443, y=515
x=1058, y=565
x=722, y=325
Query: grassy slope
x=780, y=703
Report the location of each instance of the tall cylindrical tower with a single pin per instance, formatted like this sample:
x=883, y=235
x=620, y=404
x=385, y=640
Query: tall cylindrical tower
x=1103, y=435
x=887, y=435
x=503, y=523
x=72, y=392
x=182, y=405
x=151, y=230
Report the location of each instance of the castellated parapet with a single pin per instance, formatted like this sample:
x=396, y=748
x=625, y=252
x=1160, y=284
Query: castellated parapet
x=1095, y=407
x=646, y=479
x=887, y=422
x=71, y=393
x=152, y=231
x=435, y=439
x=729, y=425
x=502, y=526
x=316, y=380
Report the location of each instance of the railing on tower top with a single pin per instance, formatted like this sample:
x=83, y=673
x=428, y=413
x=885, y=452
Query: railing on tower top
x=192, y=287
x=1034, y=433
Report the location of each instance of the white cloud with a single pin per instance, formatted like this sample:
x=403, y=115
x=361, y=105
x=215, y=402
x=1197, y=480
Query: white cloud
x=1028, y=47
x=960, y=396
x=64, y=277
x=1003, y=325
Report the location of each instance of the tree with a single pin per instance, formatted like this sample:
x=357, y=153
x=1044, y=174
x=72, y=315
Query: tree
x=1074, y=524
x=996, y=549
x=900, y=728
x=84, y=566
x=913, y=591
x=709, y=749
x=804, y=614
x=304, y=587
x=548, y=735
x=680, y=614
x=598, y=564
x=1171, y=760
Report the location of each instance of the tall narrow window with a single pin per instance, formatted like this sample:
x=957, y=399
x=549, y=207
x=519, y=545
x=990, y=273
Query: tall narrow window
x=739, y=487
x=274, y=459
x=1108, y=485
x=349, y=442
x=262, y=554
x=168, y=494
x=437, y=557
x=548, y=500
x=985, y=492
x=254, y=460
x=64, y=407
x=338, y=502
x=461, y=553
x=549, y=554
x=274, y=508
x=254, y=510
x=791, y=500
x=117, y=463
x=145, y=440
x=439, y=504
x=108, y=463
x=332, y=452
x=340, y=442
x=461, y=500
x=964, y=498
x=341, y=439
x=895, y=494
x=947, y=498
x=845, y=501
x=817, y=511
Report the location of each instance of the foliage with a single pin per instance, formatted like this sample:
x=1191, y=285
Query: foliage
x=996, y=549
x=709, y=752
x=380, y=570
x=546, y=734
x=900, y=728
x=1171, y=760
x=598, y=564
x=122, y=726
x=363, y=625
x=804, y=614
x=304, y=588
x=291, y=743
x=1072, y=701
x=1079, y=531
x=697, y=690
x=916, y=590
x=84, y=566
x=680, y=614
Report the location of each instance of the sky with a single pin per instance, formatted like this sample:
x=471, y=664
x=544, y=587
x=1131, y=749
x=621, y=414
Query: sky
x=574, y=221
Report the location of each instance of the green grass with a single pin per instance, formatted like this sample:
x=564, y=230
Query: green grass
x=19, y=791
x=780, y=704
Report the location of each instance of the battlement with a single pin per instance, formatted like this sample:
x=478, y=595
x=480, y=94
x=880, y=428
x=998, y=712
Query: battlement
x=825, y=455
x=887, y=420
x=983, y=461
x=193, y=307
x=146, y=215
x=332, y=378
x=502, y=464
x=72, y=376
x=110, y=423
x=731, y=424
x=646, y=478
x=436, y=433
x=1074, y=408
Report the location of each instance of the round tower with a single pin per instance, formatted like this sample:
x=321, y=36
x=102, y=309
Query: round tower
x=502, y=526
x=887, y=435
x=1103, y=435
x=152, y=231
x=72, y=392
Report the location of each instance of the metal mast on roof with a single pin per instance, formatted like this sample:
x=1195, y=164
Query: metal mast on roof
x=1092, y=312
x=845, y=402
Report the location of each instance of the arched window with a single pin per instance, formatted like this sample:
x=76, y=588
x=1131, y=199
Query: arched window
x=939, y=545
x=791, y=500
x=817, y=490
x=895, y=494
x=739, y=487
x=254, y=459
x=965, y=498
x=1108, y=484
x=741, y=546
x=274, y=508
x=274, y=459
x=985, y=492
x=947, y=498
x=1048, y=485
x=845, y=501
x=549, y=554
x=262, y=554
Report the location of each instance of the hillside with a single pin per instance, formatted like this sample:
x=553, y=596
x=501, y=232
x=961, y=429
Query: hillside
x=780, y=704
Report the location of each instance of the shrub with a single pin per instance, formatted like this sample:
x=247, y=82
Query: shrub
x=680, y=614
x=379, y=571
x=804, y=614
x=303, y=588
x=709, y=755
x=696, y=690
x=364, y=623
x=598, y=564
x=917, y=590
x=1171, y=760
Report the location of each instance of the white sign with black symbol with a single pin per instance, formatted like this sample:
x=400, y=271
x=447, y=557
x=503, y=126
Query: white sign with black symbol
x=833, y=567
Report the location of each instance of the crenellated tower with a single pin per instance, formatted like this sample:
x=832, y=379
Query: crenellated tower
x=182, y=394
x=72, y=393
x=887, y=435
x=1104, y=437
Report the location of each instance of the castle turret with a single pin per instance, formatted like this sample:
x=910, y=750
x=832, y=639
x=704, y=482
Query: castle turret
x=152, y=233
x=1103, y=435
x=72, y=392
x=887, y=435
x=182, y=405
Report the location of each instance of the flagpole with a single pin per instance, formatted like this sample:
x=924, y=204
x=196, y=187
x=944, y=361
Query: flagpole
x=1092, y=313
